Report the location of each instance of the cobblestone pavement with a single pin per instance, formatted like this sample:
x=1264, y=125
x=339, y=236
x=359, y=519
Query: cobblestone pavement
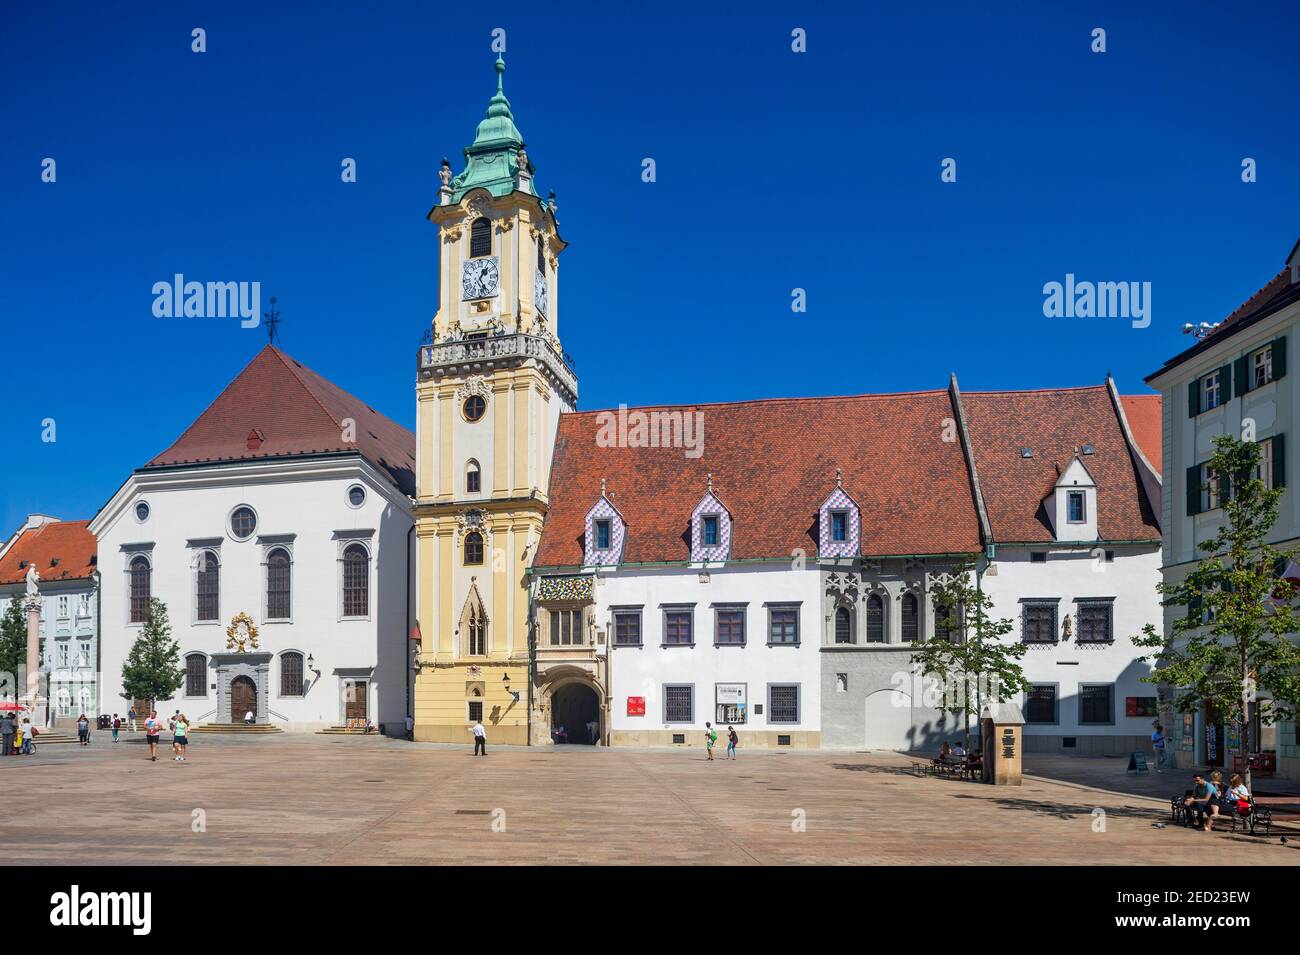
x=346, y=800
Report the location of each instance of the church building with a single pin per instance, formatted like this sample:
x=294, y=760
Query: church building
x=278, y=531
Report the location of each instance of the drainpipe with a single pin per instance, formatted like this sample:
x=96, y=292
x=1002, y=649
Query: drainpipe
x=99, y=639
x=406, y=635
x=532, y=653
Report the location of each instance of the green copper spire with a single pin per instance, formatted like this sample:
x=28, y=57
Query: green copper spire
x=492, y=160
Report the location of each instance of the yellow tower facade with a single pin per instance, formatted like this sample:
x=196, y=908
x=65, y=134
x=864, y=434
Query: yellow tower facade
x=490, y=388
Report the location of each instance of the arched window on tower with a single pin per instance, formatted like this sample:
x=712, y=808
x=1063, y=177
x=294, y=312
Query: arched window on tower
x=480, y=238
x=473, y=548
x=473, y=478
x=843, y=625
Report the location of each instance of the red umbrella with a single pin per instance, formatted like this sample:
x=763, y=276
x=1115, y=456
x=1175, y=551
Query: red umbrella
x=11, y=707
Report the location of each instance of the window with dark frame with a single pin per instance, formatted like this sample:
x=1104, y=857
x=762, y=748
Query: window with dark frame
x=476, y=711
x=679, y=703
x=1038, y=621
x=945, y=622
x=1095, y=703
x=730, y=624
x=783, y=703
x=196, y=675
x=1076, y=507
x=278, y=585
x=480, y=238
x=843, y=625
x=473, y=478
x=911, y=618
x=356, y=581
x=710, y=530
x=839, y=526
x=140, y=584
x=242, y=523
x=566, y=628
x=1040, y=704
x=783, y=625
x=473, y=548
x=1094, y=622
x=677, y=627
x=602, y=535
x=291, y=681
x=474, y=407
x=627, y=628
x=875, y=619
x=207, y=587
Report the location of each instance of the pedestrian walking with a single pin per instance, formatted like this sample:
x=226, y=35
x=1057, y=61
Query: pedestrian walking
x=732, y=740
x=7, y=731
x=27, y=739
x=180, y=736
x=710, y=737
x=480, y=739
x=130, y=718
x=410, y=728
x=152, y=730
x=1159, y=746
x=83, y=730
x=117, y=727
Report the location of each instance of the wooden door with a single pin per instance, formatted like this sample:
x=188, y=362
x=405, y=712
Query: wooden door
x=354, y=701
x=243, y=697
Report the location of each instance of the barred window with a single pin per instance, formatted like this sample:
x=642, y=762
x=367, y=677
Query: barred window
x=731, y=627
x=566, y=628
x=1040, y=704
x=911, y=619
x=278, y=585
x=476, y=711
x=627, y=628
x=140, y=581
x=1094, y=621
x=291, y=681
x=480, y=238
x=783, y=625
x=875, y=619
x=1095, y=703
x=843, y=625
x=208, y=587
x=243, y=522
x=196, y=675
x=677, y=627
x=1039, y=623
x=783, y=703
x=679, y=703
x=356, y=581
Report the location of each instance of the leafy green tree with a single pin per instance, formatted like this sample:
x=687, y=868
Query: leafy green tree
x=153, y=670
x=13, y=641
x=1235, y=637
x=966, y=653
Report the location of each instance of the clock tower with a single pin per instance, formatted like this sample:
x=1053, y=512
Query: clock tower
x=490, y=388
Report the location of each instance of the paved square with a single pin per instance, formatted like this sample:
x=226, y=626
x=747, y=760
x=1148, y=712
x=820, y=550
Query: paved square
x=347, y=800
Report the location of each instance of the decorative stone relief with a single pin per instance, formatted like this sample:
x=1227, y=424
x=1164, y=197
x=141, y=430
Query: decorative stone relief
x=474, y=385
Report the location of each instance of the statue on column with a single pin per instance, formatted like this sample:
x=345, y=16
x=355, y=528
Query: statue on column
x=33, y=580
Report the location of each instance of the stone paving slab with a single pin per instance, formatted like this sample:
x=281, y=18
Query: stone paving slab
x=317, y=800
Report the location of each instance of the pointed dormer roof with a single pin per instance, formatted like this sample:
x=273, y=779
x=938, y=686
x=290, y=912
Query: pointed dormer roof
x=277, y=407
x=492, y=160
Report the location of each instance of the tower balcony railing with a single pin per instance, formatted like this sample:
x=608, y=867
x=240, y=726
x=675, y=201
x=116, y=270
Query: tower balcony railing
x=447, y=355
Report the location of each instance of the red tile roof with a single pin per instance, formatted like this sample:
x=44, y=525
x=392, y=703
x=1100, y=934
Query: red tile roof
x=773, y=464
x=1143, y=414
x=1055, y=425
x=69, y=542
x=277, y=406
x=1276, y=287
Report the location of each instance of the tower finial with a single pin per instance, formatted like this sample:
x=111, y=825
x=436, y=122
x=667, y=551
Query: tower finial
x=839, y=477
x=602, y=487
x=501, y=72
x=710, y=481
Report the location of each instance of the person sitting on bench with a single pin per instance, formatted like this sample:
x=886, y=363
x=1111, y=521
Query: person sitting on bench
x=1204, y=801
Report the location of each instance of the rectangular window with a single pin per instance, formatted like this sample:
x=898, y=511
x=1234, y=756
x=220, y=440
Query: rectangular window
x=476, y=711
x=1210, y=391
x=63, y=608
x=1094, y=619
x=783, y=625
x=63, y=654
x=83, y=606
x=1039, y=622
x=1209, y=489
x=196, y=675
x=83, y=653
x=1038, y=557
x=1261, y=367
x=677, y=627
x=566, y=628
x=710, y=530
x=602, y=535
x=679, y=703
x=839, y=526
x=1040, y=704
x=1076, y=505
x=1095, y=703
x=730, y=626
x=627, y=628
x=1264, y=466
x=783, y=703
x=473, y=479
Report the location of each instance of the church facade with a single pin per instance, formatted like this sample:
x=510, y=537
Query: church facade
x=277, y=530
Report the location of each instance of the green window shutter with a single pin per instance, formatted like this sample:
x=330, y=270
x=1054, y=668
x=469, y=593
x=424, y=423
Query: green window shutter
x=1193, y=398
x=1279, y=357
x=1193, y=490
x=1225, y=489
x=1194, y=607
x=1242, y=367
x=1225, y=384
x=1279, y=460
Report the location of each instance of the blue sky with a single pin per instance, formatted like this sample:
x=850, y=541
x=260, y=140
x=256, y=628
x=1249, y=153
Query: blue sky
x=775, y=171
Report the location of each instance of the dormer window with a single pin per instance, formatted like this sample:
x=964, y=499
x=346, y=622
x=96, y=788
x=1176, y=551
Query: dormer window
x=1077, y=507
x=709, y=530
x=480, y=238
x=605, y=531
x=603, y=535
x=839, y=523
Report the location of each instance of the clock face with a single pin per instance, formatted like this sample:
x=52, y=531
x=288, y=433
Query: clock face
x=479, y=277
x=539, y=292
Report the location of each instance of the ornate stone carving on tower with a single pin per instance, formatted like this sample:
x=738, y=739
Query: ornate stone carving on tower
x=491, y=385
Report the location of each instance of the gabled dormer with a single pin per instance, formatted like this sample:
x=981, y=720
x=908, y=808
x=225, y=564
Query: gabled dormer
x=839, y=523
x=604, y=532
x=1072, y=506
x=710, y=528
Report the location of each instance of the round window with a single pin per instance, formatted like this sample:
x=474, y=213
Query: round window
x=242, y=522
x=474, y=407
x=356, y=495
x=142, y=512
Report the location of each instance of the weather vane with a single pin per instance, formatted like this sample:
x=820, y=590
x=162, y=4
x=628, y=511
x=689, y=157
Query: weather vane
x=272, y=321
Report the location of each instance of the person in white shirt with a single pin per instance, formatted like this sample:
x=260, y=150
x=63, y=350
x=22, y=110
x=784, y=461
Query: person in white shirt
x=250, y=716
x=959, y=750
x=480, y=739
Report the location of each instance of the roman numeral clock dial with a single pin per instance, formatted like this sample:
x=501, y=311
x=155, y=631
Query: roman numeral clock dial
x=479, y=278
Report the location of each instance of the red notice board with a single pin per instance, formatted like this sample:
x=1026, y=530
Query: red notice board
x=636, y=706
